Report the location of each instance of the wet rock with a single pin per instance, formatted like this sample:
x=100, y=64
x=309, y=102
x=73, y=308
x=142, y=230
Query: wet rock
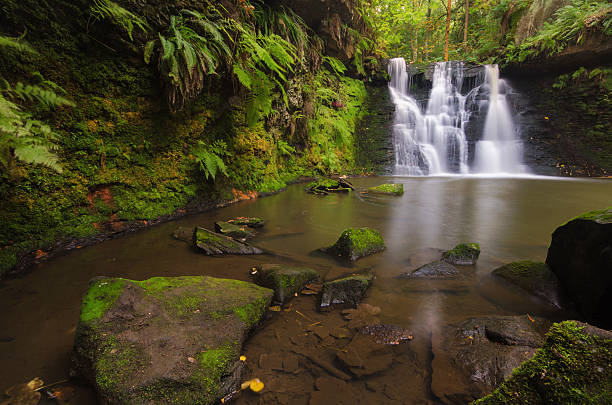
x=182, y=334
x=580, y=255
x=232, y=230
x=363, y=356
x=533, y=277
x=437, y=269
x=332, y=391
x=318, y=358
x=284, y=280
x=474, y=357
x=326, y=186
x=387, y=334
x=347, y=291
x=184, y=234
x=355, y=243
x=251, y=222
x=211, y=243
x=464, y=254
x=573, y=366
x=363, y=315
x=391, y=189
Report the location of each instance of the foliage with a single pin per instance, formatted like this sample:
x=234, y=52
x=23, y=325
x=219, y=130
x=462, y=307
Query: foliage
x=209, y=157
x=107, y=9
x=195, y=46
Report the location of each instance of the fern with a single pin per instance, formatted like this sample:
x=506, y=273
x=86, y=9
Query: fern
x=193, y=47
x=209, y=158
x=335, y=64
x=106, y=9
x=15, y=43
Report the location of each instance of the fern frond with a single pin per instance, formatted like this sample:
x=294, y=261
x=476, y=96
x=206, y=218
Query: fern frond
x=15, y=43
x=107, y=9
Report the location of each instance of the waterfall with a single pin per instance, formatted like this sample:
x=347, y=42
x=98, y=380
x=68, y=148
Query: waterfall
x=500, y=150
x=433, y=140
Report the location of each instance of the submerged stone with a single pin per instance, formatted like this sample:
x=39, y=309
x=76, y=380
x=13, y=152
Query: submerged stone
x=325, y=186
x=347, y=291
x=182, y=233
x=574, y=366
x=251, y=222
x=533, y=277
x=580, y=255
x=232, y=230
x=211, y=243
x=464, y=254
x=437, y=269
x=165, y=339
x=391, y=189
x=355, y=243
x=387, y=334
x=475, y=356
x=284, y=280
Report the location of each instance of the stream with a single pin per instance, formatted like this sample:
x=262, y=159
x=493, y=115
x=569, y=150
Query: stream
x=512, y=218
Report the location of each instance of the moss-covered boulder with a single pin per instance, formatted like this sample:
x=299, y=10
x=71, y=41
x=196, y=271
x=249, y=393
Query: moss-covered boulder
x=284, y=280
x=433, y=270
x=464, y=254
x=232, y=230
x=535, y=278
x=346, y=291
x=211, y=243
x=251, y=222
x=580, y=255
x=170, y=340
x=475, y=356
x=355, y=243
x=326, y=186
x=574, y=366
x=391, y=189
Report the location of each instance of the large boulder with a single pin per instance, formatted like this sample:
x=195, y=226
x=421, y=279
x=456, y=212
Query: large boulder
x=355, y=243
x=165, y=339
x=535, y=278
x=580, y=255
x=472, y=358
x=284, y=280
x=574, y=366
x=211, y=243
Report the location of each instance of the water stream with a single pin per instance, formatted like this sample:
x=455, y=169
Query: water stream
x=512, y=218
x=433, y=140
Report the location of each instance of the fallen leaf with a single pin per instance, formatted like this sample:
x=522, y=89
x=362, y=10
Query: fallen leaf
x=191, y=359
x=275, y=308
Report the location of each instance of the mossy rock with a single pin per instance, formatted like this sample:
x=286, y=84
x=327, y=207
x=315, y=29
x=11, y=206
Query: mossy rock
x=170, y=340
x=580, y=255
x=284, y=280
x=533, y=277
x=464, y=254
x=251, y=222
x=232, y=230
x=211, y=244
x=346, y=291
x=391, y=189
x=325, y=186
x=574, y=366
x=355, y=243
x=183, y=234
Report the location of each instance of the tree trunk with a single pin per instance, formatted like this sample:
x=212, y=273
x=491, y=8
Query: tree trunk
x=467, y=17
x=448, y=15
x=427, y=30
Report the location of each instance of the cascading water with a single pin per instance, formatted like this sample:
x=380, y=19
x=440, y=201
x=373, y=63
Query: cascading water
x=434, y=141
x=500, y=150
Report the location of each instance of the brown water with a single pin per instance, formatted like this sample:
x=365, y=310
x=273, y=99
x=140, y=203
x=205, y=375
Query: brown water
x=512, y=219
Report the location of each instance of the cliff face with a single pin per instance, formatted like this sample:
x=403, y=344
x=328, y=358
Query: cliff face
x=129, y=162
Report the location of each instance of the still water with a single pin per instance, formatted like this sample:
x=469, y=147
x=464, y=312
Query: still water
x=511, y=218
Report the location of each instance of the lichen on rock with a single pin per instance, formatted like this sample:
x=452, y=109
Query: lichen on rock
x=166, y=339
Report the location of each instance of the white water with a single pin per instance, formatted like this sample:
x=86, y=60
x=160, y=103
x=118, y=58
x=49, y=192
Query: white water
x=433, y=141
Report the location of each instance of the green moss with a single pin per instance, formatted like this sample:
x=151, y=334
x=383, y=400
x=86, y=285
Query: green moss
x=394, y=189
x=571, y=368
x=101, y=295
x=252, y=312
x=603, y=216
x=323, y=184
x=357, y=242
x=462, y=254
x=213, y=365
x=116, y=364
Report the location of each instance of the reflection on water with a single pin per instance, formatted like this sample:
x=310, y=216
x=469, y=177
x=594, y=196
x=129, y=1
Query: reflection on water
x=511, y=218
